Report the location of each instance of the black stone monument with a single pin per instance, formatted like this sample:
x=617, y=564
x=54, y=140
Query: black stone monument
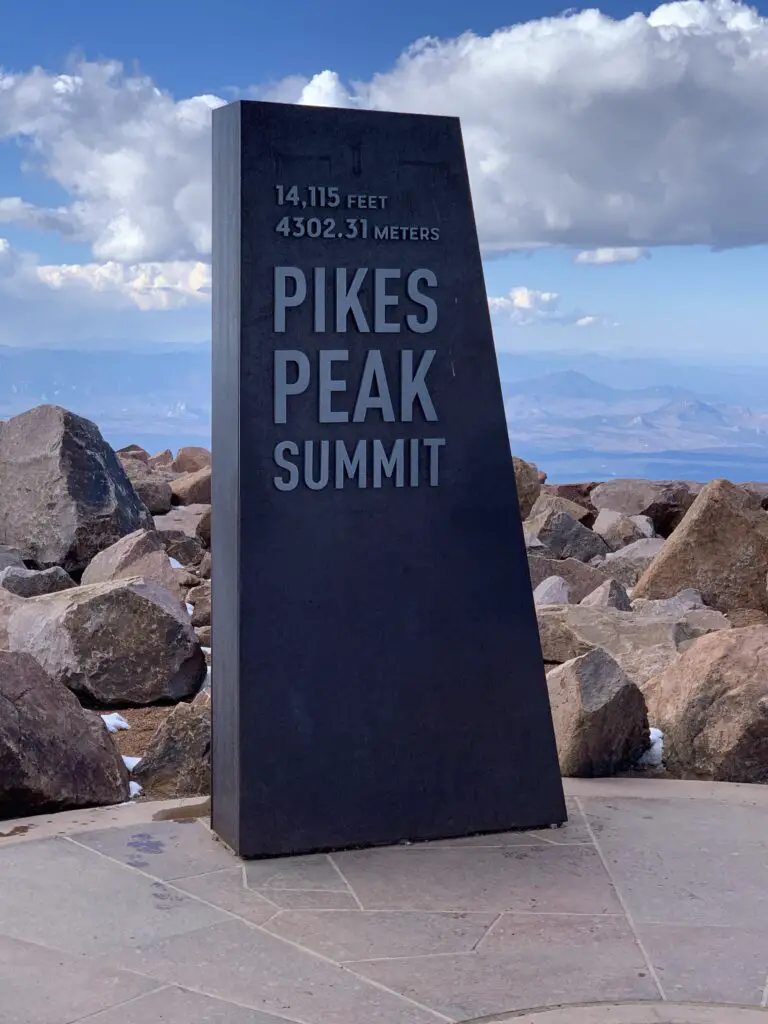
x=377, y=674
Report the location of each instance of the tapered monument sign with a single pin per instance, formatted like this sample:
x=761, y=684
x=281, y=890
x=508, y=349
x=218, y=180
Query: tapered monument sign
x=377, y=674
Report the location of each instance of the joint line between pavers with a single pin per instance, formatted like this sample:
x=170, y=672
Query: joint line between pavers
x=161, y=987
x=624, y=905
x=345, y=880
x=260, y=928
x=487, y=932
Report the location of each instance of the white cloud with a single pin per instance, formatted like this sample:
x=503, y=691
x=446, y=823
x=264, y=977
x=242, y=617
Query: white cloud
x=580, y=130
x=583, y=131
x=524, y=307
x=604, y=257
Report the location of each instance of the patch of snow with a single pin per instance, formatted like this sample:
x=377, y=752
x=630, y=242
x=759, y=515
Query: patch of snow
x=174, y=563
x=206, y=650
x=190, y=608
x=130, y=762
x=115, y=722
x=653, y=755
x=136, y=789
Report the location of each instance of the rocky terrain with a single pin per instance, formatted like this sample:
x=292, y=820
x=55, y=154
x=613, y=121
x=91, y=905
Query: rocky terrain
x=651, y=602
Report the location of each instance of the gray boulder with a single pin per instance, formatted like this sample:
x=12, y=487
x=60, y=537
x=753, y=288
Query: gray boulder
x=34, y=582
x=628, y=564
x=64, y=495
x=139, y=554
x=665, y=502
x=563, y=536
x=616, y=530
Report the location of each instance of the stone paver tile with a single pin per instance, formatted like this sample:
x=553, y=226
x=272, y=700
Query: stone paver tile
x=248, y=966
x=312, y=872
x=309, y=899
x=177, y=1006
x=226, y=889
x=685, y=861
x=362, y=935
x=574, y=831
x=64, y=896
x=552, y=879
x=526, y=961
x=46, y=986
x=166, y=849
x=708, y=965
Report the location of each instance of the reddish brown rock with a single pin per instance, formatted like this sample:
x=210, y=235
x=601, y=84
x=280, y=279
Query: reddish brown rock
x=191, y=459
x=178, y=531
x=152, y=487
x=54, y=754
x=139, y=554
x=663, y=501
x=133, y=451
x=720, y=549
x=192, y=488
x=528, y=486
x=177, y=762
x=577, y=493
x=162, y=460
x=712, y=705
x=200, y=599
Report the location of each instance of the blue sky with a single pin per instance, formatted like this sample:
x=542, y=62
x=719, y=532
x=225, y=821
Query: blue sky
x=637, y=143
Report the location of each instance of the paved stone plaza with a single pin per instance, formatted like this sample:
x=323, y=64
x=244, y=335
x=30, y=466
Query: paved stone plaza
x=649, y=907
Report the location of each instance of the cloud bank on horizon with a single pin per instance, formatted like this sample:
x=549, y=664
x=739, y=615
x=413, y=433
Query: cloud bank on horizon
x=607, y=137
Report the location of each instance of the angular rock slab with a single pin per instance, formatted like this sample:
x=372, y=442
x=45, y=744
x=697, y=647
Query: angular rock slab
x=177, y=762
x=64, y=496
x=712, y=705
x=54, y=754
x=116, y=644
x=601, y=725
x=395, y=691
x=139, y=554
x=720, y=549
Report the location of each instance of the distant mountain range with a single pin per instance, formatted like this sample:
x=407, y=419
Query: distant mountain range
x=609, y=417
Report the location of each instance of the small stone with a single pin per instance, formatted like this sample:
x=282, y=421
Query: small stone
x=610, y=594
x=552, y=590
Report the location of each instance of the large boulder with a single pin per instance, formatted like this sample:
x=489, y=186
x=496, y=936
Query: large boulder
x=528, y=485
x=152, y=486
x=34, y=582
x=177, y=762
x=133, y=451
x=54, y=754
x=139, y=554
x=617, y=530
x=599, y=715
x=64, y=495
x=178, y=531
x=663, y=501
x=712, y=705
x=581, y=578
x=628, y=564
x=642, y=645
x=118, y=644
x=563, y=536
x=192, y=488
x=190, y=459
x=720, y=549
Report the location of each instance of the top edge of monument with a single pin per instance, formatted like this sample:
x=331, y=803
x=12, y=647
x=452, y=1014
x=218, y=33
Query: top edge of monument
x=352, y=112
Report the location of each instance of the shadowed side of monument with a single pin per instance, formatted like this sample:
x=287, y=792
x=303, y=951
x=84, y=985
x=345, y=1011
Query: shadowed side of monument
x=378, y=674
